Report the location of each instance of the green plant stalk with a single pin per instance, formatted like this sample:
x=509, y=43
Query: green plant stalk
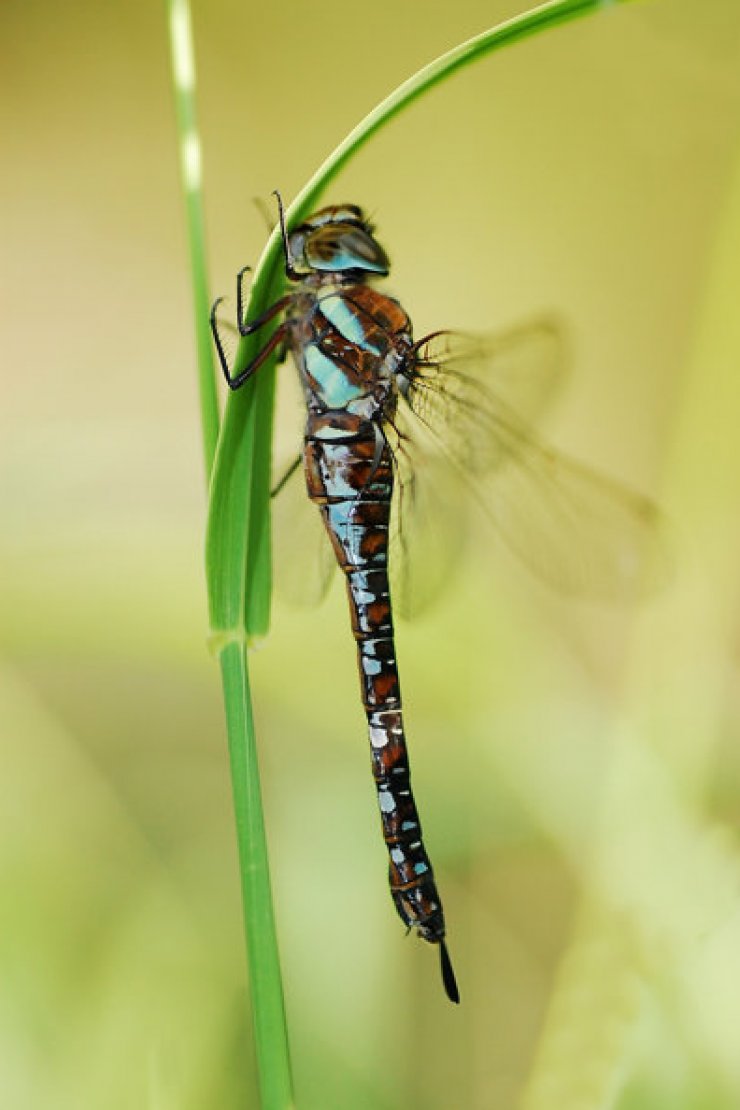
x=238, y=543
x=268, y=1009
x=270, y=1030
x=183, y=78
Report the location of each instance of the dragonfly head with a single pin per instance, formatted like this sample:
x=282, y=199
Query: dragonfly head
x=338, y=240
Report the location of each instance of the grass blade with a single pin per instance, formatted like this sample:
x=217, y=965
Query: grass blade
x=268, y=1009
x=183, y=79
x=270, y=1030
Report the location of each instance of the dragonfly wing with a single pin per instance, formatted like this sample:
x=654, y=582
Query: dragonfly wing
x=430, y=514
x=303, y=560
x=577, y=530
x=528, y=363
x=428, y=528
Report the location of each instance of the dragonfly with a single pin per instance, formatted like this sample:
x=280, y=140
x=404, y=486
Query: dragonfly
x=386, y=414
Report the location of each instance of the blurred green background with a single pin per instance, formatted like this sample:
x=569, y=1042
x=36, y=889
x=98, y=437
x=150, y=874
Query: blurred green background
x=577, y=767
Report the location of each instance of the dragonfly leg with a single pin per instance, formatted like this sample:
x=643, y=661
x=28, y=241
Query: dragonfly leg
x=273, y=342
x=244, y=328
x=284, y=478
x=253, y=325
x=415, y=348
x=413, y=358
x=290, y=269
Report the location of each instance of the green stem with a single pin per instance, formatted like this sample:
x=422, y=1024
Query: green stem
x=183, y=77
x=268, y=1010
x=270, y=1029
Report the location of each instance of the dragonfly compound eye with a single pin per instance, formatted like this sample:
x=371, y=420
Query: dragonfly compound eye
x=337, y=247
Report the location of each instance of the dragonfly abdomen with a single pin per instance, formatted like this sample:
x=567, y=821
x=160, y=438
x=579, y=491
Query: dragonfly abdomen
x=352, y=482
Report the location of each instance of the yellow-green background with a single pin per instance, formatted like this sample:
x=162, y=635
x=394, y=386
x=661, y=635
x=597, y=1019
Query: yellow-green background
x=577, y=767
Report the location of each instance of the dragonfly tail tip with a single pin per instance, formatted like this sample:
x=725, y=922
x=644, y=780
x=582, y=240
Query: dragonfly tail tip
x=448, y=975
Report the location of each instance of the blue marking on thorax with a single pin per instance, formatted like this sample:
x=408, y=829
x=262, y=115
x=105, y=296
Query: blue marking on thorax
x=340, y=315
x=333, y=383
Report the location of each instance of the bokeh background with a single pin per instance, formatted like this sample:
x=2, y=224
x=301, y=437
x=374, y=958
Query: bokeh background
x=577, y=766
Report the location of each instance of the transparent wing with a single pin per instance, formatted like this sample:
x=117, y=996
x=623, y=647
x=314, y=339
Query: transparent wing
x=303, y=559
x=429, y=520
x=527, y=365
x=428, y=529
x=577, y=530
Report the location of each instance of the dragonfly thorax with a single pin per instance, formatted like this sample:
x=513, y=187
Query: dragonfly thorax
x=349, y=343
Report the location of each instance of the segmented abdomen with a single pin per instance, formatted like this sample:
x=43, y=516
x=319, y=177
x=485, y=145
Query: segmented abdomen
x=349, y=474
